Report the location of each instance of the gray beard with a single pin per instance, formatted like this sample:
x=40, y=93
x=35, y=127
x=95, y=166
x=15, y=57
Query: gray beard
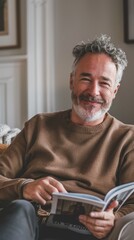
x=87, y=116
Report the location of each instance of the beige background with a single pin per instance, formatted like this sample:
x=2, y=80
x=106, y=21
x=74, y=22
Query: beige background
x=49, y=31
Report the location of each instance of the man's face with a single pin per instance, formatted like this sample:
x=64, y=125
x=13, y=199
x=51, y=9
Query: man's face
x=93, y=88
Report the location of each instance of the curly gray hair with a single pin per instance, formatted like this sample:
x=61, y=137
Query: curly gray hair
x=102, y=44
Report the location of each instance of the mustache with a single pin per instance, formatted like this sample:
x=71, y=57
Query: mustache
x=89, y=98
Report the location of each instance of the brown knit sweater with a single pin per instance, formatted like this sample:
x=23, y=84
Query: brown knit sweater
x=86, y=159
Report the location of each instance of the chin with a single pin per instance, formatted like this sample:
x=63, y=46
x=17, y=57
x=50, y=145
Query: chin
x=85, y=116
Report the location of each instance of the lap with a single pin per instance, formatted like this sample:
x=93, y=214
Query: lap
x=123, y=227
x=12, y=216
x=49, y=233
x=18, y=221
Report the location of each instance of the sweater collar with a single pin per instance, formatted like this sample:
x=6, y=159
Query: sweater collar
x=92, y=129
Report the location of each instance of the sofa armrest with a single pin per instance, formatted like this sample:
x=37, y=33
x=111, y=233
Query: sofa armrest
x=7, y=134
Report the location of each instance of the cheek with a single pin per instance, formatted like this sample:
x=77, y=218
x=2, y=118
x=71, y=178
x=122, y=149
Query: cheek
x=79, y=88
x=108, y=95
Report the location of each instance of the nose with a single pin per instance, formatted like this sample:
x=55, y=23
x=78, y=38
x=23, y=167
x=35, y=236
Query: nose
x=94, y=89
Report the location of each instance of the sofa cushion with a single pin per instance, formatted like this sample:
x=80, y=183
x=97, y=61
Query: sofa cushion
x=3, y=147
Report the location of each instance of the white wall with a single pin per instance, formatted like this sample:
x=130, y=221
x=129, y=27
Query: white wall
x=76, y=20
x=13, y=79
x=48, y=35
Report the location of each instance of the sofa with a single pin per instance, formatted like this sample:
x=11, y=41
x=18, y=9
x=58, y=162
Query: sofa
x=7, y=135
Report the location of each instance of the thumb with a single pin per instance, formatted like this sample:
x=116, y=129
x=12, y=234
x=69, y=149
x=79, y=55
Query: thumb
x=112, y=205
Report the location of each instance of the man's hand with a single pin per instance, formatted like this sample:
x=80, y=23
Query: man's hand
x=100, y=224
x=41, y=190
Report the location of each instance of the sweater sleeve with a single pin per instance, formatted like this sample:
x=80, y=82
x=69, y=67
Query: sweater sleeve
x=126, y=174
x=12, y=162
x=126, y=209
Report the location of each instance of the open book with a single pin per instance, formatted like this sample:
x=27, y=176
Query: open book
x=66, y=207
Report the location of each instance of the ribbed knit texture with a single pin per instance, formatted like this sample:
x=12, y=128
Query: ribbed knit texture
x=88, y=159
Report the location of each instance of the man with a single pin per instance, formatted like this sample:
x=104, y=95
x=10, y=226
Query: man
x=83, y=149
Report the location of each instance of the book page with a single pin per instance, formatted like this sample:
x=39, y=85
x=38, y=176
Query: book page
x=85, y=198
x=67, y=214
x=120, y=193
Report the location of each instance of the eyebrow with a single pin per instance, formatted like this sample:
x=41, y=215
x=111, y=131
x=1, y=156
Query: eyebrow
x=84, y=74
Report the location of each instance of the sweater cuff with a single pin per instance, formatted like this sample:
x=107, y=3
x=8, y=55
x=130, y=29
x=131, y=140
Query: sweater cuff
x=22, y=185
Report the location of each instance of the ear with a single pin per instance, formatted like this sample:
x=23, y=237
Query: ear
x=116, y=90
x=71, y=81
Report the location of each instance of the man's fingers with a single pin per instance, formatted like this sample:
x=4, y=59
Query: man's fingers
x=41, y=190
x=100, y=224
x=57, y=184
x=112, y=205
x=39, y=199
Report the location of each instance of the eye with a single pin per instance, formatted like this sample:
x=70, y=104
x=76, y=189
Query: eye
x=85, y=79
x=105, y=84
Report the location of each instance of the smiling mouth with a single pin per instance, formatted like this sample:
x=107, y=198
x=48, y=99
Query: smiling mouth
x=90, y=99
